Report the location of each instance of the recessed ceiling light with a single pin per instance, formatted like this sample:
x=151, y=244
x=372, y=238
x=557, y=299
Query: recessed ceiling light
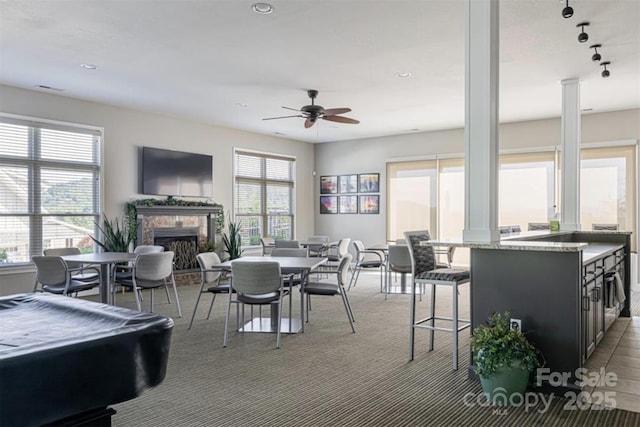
x=262, y=8
x=278, y=133
x=241, y=105
x=403, y=74
x=89, y=66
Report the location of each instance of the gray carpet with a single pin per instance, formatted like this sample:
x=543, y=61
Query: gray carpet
x=327, y=376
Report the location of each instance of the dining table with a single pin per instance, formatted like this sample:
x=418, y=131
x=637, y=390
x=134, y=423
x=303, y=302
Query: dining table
x=288, y=265
x=104, y=261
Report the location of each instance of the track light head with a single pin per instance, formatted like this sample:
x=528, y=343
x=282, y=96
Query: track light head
x=605, y=73
x=596, y=56
x=567, y=12
x=583, y=37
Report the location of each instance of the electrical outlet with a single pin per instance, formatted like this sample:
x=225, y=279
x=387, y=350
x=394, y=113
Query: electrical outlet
x=516, y=324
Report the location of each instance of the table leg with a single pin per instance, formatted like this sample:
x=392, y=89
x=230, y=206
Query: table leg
x=105, y=295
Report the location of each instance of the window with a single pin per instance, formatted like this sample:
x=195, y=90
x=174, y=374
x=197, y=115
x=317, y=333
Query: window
x=412, y=197
x=264, y=196
x=527, y=188
x=49, y=187
x=607, y=187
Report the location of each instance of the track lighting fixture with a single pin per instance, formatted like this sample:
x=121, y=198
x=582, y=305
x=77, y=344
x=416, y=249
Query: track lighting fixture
x=605, y=73
x=583, y=37
x=596, y=56
x=567, y=12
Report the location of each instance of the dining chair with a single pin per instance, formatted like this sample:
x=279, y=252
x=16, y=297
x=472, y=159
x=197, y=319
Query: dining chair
x=368, y=258
x=54, y=276
x=124, y=271
x=332, y=289
x=424, y=271
x=267, y=244
x=256, y=283
x=335, y=253
x=399, y=261
x=151, y=271
x=286, y=244
x=533, y=226
x=317, y=245
x=607, y=227
x=80, y=271
x=210, y=281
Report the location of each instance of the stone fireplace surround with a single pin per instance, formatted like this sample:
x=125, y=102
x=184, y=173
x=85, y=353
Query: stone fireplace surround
x=183, y=222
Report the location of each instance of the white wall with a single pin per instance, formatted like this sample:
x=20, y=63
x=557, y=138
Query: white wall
x=125, y=130
x=371, y=155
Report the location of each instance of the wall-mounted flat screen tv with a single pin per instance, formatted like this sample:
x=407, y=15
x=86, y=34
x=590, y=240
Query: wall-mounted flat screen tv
x=176, y=173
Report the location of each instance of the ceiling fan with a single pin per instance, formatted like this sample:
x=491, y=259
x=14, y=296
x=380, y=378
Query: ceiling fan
x=314, y=112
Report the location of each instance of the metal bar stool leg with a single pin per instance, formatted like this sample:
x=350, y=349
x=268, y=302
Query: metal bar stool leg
x=412, y=321
x=433, y=316
x=455, y=326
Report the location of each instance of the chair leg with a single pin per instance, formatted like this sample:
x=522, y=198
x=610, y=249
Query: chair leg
x=455, y=326
x=195, y=308
x=151, y=302
x=279, y=326
x=166, y=290
x=433, y=316
x=175, y=292
x=354, y=277
x=412, y=321
x=211, y=306
x=136, y=292
x=348, y=310
x=226, y=320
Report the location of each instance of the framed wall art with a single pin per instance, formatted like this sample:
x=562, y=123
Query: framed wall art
x=348, y=204
x=369, y=183
x=369, y=204
x=329, y=184
x=348, y=183
x=328, y=204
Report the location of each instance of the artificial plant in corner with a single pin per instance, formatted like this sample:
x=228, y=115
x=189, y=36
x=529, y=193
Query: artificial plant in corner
x=117, y=235
x=232, y=241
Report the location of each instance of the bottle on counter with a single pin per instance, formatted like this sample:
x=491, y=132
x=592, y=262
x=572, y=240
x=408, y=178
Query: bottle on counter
x=554, y=221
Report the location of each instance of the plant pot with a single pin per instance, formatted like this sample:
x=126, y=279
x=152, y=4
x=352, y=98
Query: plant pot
x=506, y=386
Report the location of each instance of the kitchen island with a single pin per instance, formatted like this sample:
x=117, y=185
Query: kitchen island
x=566, y=287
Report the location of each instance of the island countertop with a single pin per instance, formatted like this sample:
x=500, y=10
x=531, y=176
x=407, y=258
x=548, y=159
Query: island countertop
x=529, y=241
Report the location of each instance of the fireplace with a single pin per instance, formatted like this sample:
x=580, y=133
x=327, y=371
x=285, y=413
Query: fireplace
x=183, y=241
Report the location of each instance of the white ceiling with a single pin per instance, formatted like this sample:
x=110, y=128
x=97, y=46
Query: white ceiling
x=203, y=59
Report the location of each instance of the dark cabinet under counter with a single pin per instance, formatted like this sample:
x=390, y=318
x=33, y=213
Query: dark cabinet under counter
x=563, y=292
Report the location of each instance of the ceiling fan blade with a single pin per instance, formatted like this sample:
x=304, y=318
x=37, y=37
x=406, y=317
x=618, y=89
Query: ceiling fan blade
x=341, y=119
x=289, y=108
x=308, y=123
x=282, y=117
x=334, y=111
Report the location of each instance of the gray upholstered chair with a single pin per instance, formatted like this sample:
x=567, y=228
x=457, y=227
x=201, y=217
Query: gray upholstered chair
x=54, y=276
x=267, y=244
x=210, y=277
x=79, y=271
x=289, y=252
x=286, y=244
x=318, y=245
x=124, y=271
x=151, y=271
x=424, y=271
x=333, y=289
x=368, y=258
x=604, y=227
x=399, y=261
x=256, y=283
x=536, y=226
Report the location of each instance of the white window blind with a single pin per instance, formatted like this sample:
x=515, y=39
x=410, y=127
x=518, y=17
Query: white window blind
x=264, y=196
x=49, y=188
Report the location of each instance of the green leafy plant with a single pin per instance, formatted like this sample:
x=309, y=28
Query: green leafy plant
x=496, y=344
x=232, y=241
x=117, y=235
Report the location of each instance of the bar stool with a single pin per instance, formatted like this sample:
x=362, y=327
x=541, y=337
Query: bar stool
x=425, y=273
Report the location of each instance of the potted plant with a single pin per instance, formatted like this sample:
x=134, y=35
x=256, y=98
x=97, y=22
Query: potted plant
x=117, y=235
x=232, y=241
x=504, y=359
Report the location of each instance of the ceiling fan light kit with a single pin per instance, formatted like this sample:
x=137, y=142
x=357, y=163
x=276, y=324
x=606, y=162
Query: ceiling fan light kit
x=312, y=112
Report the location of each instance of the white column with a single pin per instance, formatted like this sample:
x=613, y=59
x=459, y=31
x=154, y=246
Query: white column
x=570, y=155
x=481, y=121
